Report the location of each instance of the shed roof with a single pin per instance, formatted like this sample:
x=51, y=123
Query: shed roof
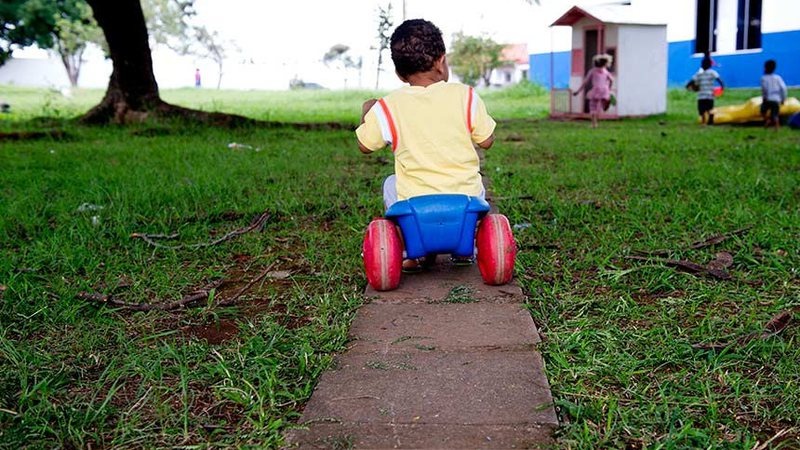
x=616, y=14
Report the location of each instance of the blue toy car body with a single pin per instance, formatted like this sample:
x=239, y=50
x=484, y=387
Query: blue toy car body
x=438, y=223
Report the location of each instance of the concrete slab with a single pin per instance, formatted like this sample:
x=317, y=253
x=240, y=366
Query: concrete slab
x=447, y=283
x=475, y=388
x=360, y=435
x=402, y=328
x=443, y=362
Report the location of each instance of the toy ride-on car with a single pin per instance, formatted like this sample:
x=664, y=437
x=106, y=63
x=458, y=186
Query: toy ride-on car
x=438, y=224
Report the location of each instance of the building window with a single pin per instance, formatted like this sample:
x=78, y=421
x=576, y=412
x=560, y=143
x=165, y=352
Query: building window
x=748, y=34
x=706, y=27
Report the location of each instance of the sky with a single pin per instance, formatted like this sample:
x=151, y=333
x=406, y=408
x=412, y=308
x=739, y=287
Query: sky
x=271, y=42
x=292, y=36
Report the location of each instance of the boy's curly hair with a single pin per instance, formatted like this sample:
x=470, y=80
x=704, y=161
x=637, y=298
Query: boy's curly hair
x=415, y=45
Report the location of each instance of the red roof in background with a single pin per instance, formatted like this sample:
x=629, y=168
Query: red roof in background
x=516, y=53
x=616, y=14
x=573, y=15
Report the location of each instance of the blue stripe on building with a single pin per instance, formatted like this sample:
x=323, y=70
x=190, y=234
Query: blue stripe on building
x=539, y=71
x=743, y=69
x=737, y=70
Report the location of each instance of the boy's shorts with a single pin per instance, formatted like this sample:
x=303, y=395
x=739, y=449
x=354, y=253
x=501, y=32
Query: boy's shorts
x=772, y=107
x=705, y=105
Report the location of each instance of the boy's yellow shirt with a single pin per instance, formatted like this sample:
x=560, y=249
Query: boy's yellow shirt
x=431, y=130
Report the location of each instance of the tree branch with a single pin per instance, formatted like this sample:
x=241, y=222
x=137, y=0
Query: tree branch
x=247, y=287
x=194, y=296
x=258, y=223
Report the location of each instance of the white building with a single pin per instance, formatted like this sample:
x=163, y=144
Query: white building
x=740, y=35
x=637, y=43
x=515, y=68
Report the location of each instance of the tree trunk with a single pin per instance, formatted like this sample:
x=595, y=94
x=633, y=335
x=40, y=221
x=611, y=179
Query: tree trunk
x=219, y=68
x=132, y=94
x=72, y=64
x=378, y=72
x=132, y=88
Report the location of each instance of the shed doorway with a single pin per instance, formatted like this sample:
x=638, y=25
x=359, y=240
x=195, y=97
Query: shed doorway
x=591, y=42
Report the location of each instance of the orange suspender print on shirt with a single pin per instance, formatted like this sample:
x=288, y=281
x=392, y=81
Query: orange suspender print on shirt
x=389, y=119
x=469, y=110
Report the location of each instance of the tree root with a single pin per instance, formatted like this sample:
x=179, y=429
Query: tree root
x=117, y=111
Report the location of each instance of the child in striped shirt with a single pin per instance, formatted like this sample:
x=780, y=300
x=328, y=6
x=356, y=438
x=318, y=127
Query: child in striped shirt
x=703, y=83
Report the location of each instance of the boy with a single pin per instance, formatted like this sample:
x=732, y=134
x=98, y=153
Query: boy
x=773, y=94
x=703, y=83
x=431, y=125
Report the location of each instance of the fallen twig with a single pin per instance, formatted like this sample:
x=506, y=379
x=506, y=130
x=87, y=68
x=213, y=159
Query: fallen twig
x=713, y=240
x=194, y=296
x=776, y=325
x=156, y=236
x=258, y=223
x=779, y=434
x=261, y=276
x=686, y=265
x=717, y=238
x=515, y=197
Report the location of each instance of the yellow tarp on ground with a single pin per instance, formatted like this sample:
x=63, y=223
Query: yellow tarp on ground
x=750, y=111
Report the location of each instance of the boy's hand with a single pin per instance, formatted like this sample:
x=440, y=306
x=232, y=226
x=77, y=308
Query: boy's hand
x=366, y=107
x=487, y=143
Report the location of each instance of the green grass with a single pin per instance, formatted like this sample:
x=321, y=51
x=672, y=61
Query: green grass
x=619, y=333
x=524, y=100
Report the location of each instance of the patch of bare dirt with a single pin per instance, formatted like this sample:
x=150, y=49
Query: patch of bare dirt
x=58, y=135
x=645, y=297
x=213, y=333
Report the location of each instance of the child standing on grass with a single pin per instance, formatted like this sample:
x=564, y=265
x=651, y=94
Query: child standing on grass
x=601, y=80
x=703, y=83
x=431, y=125
x=773, y=94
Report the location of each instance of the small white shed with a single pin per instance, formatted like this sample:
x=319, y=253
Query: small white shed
x=638, y=44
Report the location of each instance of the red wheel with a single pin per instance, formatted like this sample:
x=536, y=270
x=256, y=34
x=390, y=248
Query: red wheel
x=383, y=255
x=497, y=250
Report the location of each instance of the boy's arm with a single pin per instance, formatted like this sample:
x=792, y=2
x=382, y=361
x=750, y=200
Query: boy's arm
x=368, y=134
x=784, y=90
x=487, y=143
x=363, y=149
x=366, y=106
x=482, y=124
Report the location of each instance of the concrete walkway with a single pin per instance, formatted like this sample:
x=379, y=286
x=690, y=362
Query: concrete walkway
x=444, y=361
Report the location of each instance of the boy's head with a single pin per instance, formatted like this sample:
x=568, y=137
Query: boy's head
x=769, y=66
x=706, y=63
x=416, y=45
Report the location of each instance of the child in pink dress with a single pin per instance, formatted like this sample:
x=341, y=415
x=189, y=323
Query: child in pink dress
x=600, y=92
